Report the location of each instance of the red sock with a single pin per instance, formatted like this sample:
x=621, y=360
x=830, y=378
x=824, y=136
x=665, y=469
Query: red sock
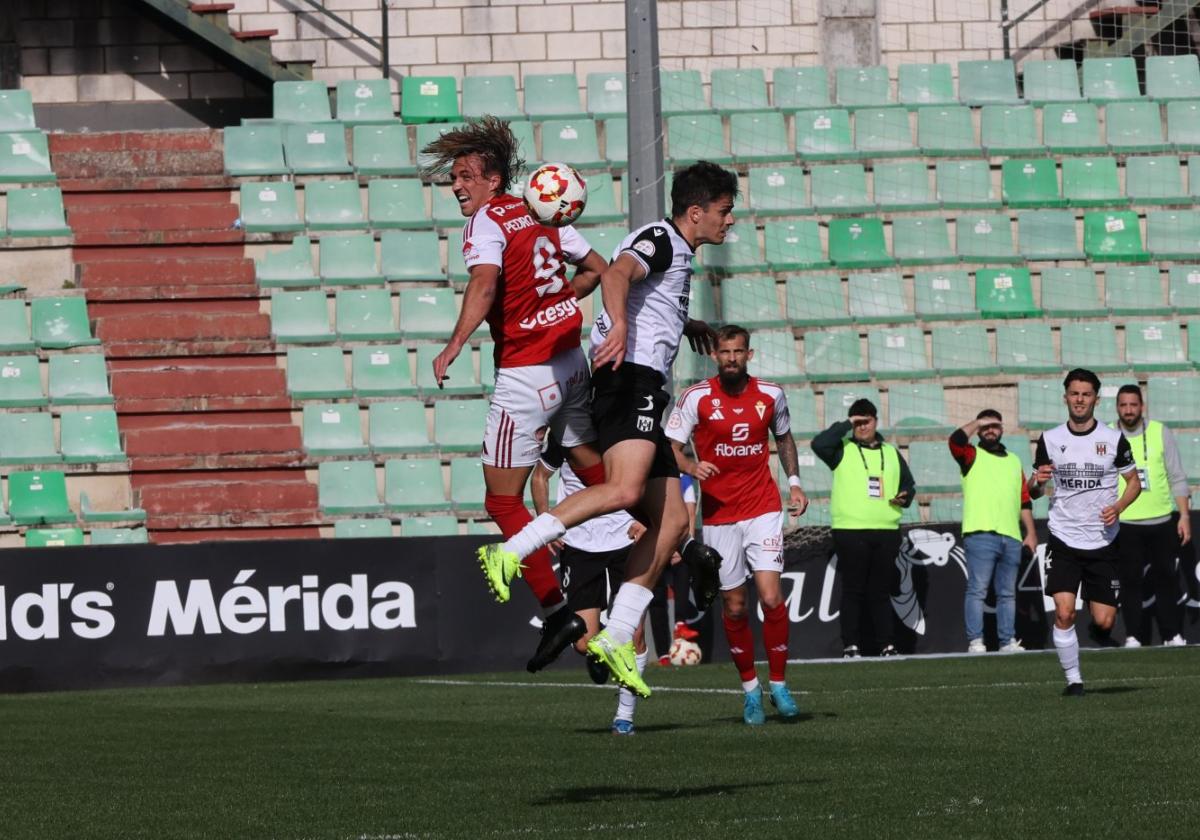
x=591, y=475
x=741, y=646
x=775, y=640
x=510, y=513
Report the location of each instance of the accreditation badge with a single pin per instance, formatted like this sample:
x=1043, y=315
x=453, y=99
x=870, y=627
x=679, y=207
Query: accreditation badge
x=1144, y=478
x=874, y=487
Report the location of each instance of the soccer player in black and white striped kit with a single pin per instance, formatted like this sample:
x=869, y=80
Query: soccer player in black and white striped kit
x=1083, y=457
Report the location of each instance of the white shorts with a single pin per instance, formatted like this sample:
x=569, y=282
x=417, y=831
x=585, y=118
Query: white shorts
x=752, y=545
x=531, y=399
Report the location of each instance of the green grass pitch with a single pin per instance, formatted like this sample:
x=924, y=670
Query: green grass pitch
x=924, y=748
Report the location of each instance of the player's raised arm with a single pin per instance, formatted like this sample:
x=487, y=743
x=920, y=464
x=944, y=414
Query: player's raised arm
x=477, y=302
x=587, y=277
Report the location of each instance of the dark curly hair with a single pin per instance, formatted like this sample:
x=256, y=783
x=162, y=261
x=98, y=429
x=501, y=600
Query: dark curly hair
x=490, y=138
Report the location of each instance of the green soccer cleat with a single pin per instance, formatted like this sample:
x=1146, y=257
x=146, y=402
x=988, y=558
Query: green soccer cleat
x=621, y=661
x=499, y=567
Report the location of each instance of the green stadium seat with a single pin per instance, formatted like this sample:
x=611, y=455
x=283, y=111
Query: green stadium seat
x=1172, y=77
x=398, y=427
x=1155, y=345
x=349, y=260
x=824, y=134
x=926, y=84
x=460, y=376
x=1135, y=127
x=605, y=95
x=79, y=380
x=879, y=298
x=1134, y=290
x=987, y=83
x=269, y=207
x=317, y=373
x=119, y=536
x=59, y=323
x=602, y=202
x=24, y=157
x=695, y=137
x=739, y=253
x=775, y=356
x=1026, y=348
x=409, y=256
x=362, y=528
x=1031, y=183
x=898, y=353
x=918, y=409
x=1183, y=125
x=945, y=510
x=290, y=266
x=616, y=142
x=702, y=303
x=922, y=240
x=254, y=150
x=903, y=186
x=1184, y=288
x=494, y=95
x=300, y=102
x=16, y=110
x=1005, y=293
x=363, y=101
x=759, y=138
x=682, y=92
x=1173, y=234
x=1114, y=236
x=883, y=132
x=947, y=130
x=751, y=302
x=778, y=192
x=458, y=424
x=692, y=367
x=90, y=514
x=14, y=326
x=38, y=498
x=466, y=485
x=553, y=96
x=962, y=351
x=1155, y=180
x=1040, y=403
x=802, y=410
x=378, y=371
x=1110, y=79
x=396, y=203
x=794, y=245
x=1193, y=167
x=816, y=300
x=840, y=189
x=28, y=438
x=36, y=212
x=333, y=205
x=1071, y=293
x=365, y=315
x=382, y=150
x=944, y=295
x=348, y=487
x=21, y=382
x=1009, y=130
x=965, y=184
x=573, y=142
x=833, y=355
x=53, y=537
x=447, y=212
x=427, y=313
x=863, y=87
x=484, y=528
x=300, y=317
x=1189, y=449
x=428, y=99
x=1090, y=344
x=445, y=525
x=315, y=148
x=796, y=88
x=932, y=467
x=333, y=429
x=1072, y=129
x=985, y=238
x=1051, y=81
x=1048, y=235
x=1176, y=399
x=739, y=89
x=858, y=243
x=90, y=436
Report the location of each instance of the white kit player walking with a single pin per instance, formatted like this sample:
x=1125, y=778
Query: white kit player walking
x=728, y=419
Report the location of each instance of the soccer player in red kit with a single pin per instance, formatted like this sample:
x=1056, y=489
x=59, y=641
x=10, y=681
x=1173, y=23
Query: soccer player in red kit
x=728, y=419
x=518, y=284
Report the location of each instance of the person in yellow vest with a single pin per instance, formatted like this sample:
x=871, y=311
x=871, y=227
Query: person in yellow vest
x=996, y=506
x=1151, y=530
x=871, y=486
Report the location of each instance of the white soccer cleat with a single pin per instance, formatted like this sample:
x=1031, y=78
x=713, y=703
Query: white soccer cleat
x=976, y=646
x=1132, y=642
x=1013, y=646
x=1175, y=641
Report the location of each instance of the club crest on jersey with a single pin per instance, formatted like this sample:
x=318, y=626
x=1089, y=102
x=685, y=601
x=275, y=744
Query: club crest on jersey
x=644, y=247
x=1101, y=448
x=761, y=408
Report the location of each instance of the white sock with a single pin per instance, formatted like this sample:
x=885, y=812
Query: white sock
x=1066, y=642
x=749, y=685
x=780, y=684
x=627, y=610
x=626, y=699
x=540, y=532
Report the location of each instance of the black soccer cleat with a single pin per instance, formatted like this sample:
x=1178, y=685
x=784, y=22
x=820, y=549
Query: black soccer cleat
x=705, y=565
x=561, y=630
x=1073, y=690
x=598, y=671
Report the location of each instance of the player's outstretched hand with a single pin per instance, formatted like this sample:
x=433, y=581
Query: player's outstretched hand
x=797, y=502
x=1109, y=515
x=704, y=471
x=701, y=336
x=1043, y=473
x=442, y=362
x=613, y=348
x=901, y=499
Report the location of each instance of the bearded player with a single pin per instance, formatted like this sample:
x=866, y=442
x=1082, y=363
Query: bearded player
x=518, y=284
x=728, y=418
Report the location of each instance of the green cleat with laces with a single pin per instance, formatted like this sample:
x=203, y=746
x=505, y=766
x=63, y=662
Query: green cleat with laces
x=499, y=567
x=621, y=661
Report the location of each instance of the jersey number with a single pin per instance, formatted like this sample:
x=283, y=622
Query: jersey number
x=739, y=432
x=547, y=266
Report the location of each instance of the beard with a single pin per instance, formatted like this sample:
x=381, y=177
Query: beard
x=732, y=378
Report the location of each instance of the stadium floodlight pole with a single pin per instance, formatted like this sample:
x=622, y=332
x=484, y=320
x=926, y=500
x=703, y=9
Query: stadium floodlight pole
x=644, y=103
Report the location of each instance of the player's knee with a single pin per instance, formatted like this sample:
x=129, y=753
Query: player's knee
x=624, y=497
x=770, y=600
x=1104, y=622
x=734, y=611
x=1064, y=619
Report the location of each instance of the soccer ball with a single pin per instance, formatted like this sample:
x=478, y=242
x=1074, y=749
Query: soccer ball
x=684, y=652
x=556, y=194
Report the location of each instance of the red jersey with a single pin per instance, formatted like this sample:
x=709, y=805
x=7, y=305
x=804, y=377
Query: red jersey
x=535, y=315
x=730, y=432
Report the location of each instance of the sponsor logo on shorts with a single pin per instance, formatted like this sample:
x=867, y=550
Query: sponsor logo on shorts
x=551, y=315
x=645, y=424
x=551, y=396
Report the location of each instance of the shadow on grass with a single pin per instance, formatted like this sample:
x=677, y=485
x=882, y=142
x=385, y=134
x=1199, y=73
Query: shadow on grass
x=803, y=717
x=611, y=793
x=652, y=727
x=1116, y=689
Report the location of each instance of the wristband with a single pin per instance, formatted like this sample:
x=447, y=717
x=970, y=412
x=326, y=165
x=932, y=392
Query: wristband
x=794, y=481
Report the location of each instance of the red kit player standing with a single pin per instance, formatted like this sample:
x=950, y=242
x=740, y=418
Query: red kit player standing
x=728, y=418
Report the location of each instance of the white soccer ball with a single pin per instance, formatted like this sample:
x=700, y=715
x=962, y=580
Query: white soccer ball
x=556, y=194
x=684, y=652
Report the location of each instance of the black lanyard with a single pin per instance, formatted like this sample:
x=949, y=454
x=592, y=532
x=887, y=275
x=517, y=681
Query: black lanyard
x=864, y=459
